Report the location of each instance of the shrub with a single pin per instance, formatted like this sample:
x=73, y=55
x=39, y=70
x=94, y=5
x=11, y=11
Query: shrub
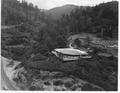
x=58, y=82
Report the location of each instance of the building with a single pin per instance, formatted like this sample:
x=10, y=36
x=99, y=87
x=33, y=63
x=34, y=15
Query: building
x=68, y=54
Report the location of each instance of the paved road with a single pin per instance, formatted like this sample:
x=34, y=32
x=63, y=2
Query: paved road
x=5, y=82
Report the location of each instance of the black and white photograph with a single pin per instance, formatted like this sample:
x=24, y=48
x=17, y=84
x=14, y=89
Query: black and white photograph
x=59, y=45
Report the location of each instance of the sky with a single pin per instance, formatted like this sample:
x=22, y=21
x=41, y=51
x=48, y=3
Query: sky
x=48, y=4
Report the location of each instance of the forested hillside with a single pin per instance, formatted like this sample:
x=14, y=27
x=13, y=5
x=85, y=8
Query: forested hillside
x=33, y=29
x=14, y=12
x=57, y=12
x=101, y=20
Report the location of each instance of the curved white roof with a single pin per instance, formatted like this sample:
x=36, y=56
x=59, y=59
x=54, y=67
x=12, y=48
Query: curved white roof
x=71, y=51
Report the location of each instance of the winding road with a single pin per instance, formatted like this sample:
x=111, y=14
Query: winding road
x=5, y=82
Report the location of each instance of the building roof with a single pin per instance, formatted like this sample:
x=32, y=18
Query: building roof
x=70, y=51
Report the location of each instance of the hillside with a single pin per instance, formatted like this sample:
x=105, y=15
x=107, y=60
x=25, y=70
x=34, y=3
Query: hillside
x=16, y=12
x=21, y=78
x=57, y=12
x=101, y=20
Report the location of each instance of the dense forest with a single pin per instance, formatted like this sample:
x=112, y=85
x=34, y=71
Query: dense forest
x=101, y=20
x=37, y=30
x=36, y=33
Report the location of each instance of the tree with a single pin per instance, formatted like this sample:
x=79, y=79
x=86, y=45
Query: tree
x=88, y=40
x=77, y=42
